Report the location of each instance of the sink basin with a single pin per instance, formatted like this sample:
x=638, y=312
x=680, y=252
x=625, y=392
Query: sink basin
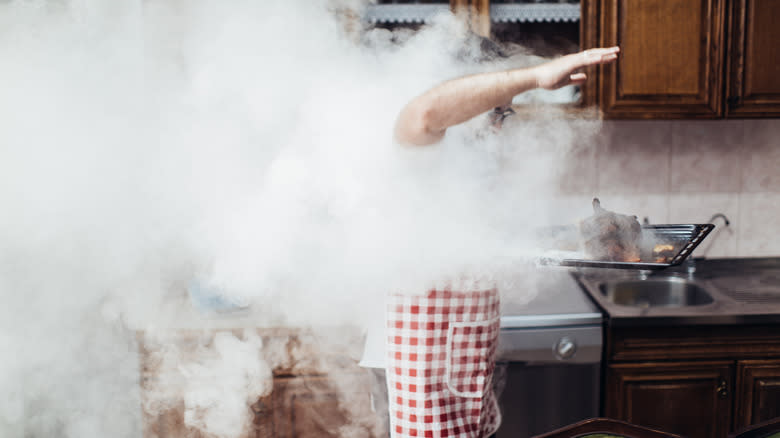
x=655, y=292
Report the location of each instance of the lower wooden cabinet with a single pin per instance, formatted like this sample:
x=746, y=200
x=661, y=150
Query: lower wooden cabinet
x=169, y=422
x=317, y=388
x=694, y=381
x=689, y=399
x=758, y=392
x=319, y=407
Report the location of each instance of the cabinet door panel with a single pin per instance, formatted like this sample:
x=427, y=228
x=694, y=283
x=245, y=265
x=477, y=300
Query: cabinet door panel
x=670, y=62
x=169, y=423
x=758, y=389
x=754, y=89
x=689, y=399
x=318, y=407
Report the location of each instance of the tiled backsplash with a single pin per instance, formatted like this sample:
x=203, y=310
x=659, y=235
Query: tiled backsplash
x=685, y=172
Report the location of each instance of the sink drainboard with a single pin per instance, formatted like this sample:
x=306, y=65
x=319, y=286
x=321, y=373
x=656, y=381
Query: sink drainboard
x=755, y=295
x=763, y=288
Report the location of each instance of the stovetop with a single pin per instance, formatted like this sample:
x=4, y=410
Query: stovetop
x=546, y=296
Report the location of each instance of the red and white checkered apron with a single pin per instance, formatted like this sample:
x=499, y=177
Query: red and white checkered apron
x=441, y=355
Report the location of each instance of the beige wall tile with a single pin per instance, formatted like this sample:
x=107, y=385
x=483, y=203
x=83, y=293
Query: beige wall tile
x=685, y=171
x=634, y=157
x=761, y=168
x=578, y=172
x=758, y=226
x=706, y=156
x=699, y=209
x=565, y=210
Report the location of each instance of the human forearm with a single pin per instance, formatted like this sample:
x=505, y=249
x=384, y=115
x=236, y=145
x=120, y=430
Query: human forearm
x=425, y=119
x=458, y=100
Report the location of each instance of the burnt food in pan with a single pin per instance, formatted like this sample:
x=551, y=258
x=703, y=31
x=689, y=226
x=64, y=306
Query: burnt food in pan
x=610, y=236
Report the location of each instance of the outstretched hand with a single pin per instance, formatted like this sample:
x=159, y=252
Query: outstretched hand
x=563, y=71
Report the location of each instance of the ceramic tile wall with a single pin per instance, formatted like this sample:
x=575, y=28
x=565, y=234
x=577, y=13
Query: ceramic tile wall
x=685, y=172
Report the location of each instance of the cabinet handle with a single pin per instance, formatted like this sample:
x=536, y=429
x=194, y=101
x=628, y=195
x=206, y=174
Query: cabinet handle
x=722, y=389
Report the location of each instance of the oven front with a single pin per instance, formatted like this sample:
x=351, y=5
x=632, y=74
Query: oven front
x=549, y=355
x=548, y=372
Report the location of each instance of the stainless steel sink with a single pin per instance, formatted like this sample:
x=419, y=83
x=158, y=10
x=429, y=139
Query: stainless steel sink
x=655, y=292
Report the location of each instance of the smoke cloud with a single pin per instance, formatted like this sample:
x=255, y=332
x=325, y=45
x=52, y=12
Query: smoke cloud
x=245, y=146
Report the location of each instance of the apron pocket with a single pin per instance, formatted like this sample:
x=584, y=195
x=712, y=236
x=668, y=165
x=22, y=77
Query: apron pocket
x=469, y=356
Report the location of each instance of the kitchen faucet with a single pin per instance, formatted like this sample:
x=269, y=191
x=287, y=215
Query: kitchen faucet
x=690, y=266
x=722, y=216
x=690, y=263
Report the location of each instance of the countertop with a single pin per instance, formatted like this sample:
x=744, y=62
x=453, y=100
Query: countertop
x=546, y=296
x=179, y=313
x=744, y=291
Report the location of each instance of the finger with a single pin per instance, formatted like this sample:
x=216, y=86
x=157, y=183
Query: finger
x=601, y=53
x=598, y=56
x=577, y=78
x=603, y=50
x=608, y=58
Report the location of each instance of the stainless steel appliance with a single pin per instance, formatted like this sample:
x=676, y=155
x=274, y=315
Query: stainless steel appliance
x=550, y=348
x=549, y=355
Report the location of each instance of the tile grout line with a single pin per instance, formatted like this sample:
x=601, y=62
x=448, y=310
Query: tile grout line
x=740, y=188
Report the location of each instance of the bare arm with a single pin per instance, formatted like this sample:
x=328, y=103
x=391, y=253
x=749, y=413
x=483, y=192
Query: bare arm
x=426, y=118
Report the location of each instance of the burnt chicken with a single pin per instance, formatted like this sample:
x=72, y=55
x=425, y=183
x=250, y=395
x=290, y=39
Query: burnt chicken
x=610, y=236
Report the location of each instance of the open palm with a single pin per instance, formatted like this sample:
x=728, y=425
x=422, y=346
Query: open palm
x=563, y=71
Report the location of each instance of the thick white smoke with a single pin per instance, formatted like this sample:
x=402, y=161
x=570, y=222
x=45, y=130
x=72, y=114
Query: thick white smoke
x=243, y=143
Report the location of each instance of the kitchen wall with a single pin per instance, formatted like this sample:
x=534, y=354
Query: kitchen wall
x=684, y=172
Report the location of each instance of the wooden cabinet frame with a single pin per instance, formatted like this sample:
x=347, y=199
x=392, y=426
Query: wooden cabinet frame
x=752, y=67
x=313, y=406
x=734, y=371
x=758, y=392
x=731, y=43
x=633, y=388
x=622, y=96
x=318, y=389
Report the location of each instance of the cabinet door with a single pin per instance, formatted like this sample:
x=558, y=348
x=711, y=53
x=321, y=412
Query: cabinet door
x=753, y=85
x=690, y=399
x=670, y=62
x=169, y=423
x=758, y=392
x=319, y=407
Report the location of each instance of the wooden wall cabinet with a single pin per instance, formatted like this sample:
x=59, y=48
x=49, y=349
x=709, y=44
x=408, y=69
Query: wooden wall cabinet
x=699, y=382
x=685, y=58
x=753, y=70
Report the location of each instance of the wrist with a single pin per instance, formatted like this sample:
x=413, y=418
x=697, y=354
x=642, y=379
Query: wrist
x=536, y=75
x=524, y=79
